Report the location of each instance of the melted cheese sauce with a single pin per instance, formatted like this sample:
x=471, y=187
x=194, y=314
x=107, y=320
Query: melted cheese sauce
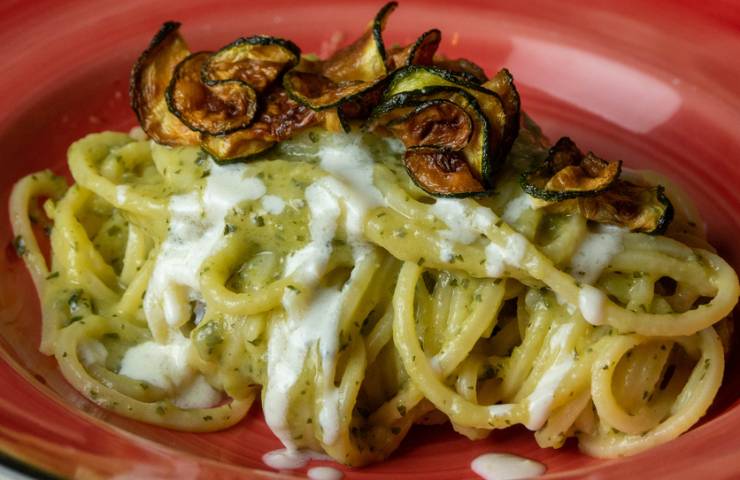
x=540, y=400
x=591, y=302
x=595, y=252
x=312, y=319
x=195, y=232
x=505, y=466
x=286, y=459
x=336, y=200
x=324, y=473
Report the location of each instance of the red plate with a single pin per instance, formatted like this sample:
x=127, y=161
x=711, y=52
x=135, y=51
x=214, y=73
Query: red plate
x=652, y=83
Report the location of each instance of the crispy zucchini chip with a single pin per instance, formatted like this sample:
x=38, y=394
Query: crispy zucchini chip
x=487, y=150
x=281, y=118
x=639, y=208
x=347, y=74
x=421, y=52
x=441, y=172
x=567, y=173
x=436, y=123
x=503, y=84
x=217, y=109
x=445, y=119
x=258, y=61
x=463, y=67
x=150, y=78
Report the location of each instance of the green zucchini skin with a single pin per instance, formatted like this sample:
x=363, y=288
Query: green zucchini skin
x=148, y=83
x=553, y=195
x=429, y=80
x=429, y=39
x=292, y=50
x=544, y=170
x=185, y=118
x=476, y=149
x=668, y=213
x=167, y=29
x=379, y=24
x=242, y=158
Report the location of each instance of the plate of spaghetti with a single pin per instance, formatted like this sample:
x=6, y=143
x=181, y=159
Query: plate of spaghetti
x=412, y=240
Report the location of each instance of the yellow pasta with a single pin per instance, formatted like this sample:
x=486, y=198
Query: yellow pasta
x=319, y=277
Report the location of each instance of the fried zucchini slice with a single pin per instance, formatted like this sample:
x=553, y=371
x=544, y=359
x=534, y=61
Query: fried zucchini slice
x=485, y=155
x=149, y=80
x=217, y=109
x=437, y=123
x=503, y=85
x=421, y=52
x=444, y=119
x=461, y=66
x=281, y=118
x=442, y=173
x=567, y=173
x=349, y=73
x=640, y=208
x=258, y=61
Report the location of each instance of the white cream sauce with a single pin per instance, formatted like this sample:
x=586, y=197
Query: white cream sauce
x=324, y=473
x=166, y=366
x=512, y=254
x=285, y=459
x=273, y=204
x=468, y=222
x=195, y=233
x=505, y=466
x=92, y=351
x=592, y=302
x=312, y=313
x=516, y=208
x=595, y=253
x=162, y=365
x=121, y=194
x=351, y=166
x=540, y=400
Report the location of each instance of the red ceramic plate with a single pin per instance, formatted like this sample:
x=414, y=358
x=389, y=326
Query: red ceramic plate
x=653, y=83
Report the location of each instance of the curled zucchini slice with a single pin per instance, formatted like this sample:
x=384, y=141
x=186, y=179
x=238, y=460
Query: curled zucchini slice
x=440, y=127
x=346, y=75
x=442, y=173
x=421, y=52
x=281, y=118
x=257, y=61
x=150, y=78
x=437, y=123
x=217, y=109
x=463, y=67
x=494, y=126
x=503, y=84
x=639, y=208
x=567, y=173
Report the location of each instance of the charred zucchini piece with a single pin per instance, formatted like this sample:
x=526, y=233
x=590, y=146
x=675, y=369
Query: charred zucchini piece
x=567, y=173
x=421, y=52
x=442, y=173
x=463, y=67
x=639, y=208
x=280, y=119
x=349, y=73
x=149, y=80
x=236, y=147
x=445, y=119
x=503, y=85
x=491, y=150
x=436, y=123
x=258, y=61
x=217, y=109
